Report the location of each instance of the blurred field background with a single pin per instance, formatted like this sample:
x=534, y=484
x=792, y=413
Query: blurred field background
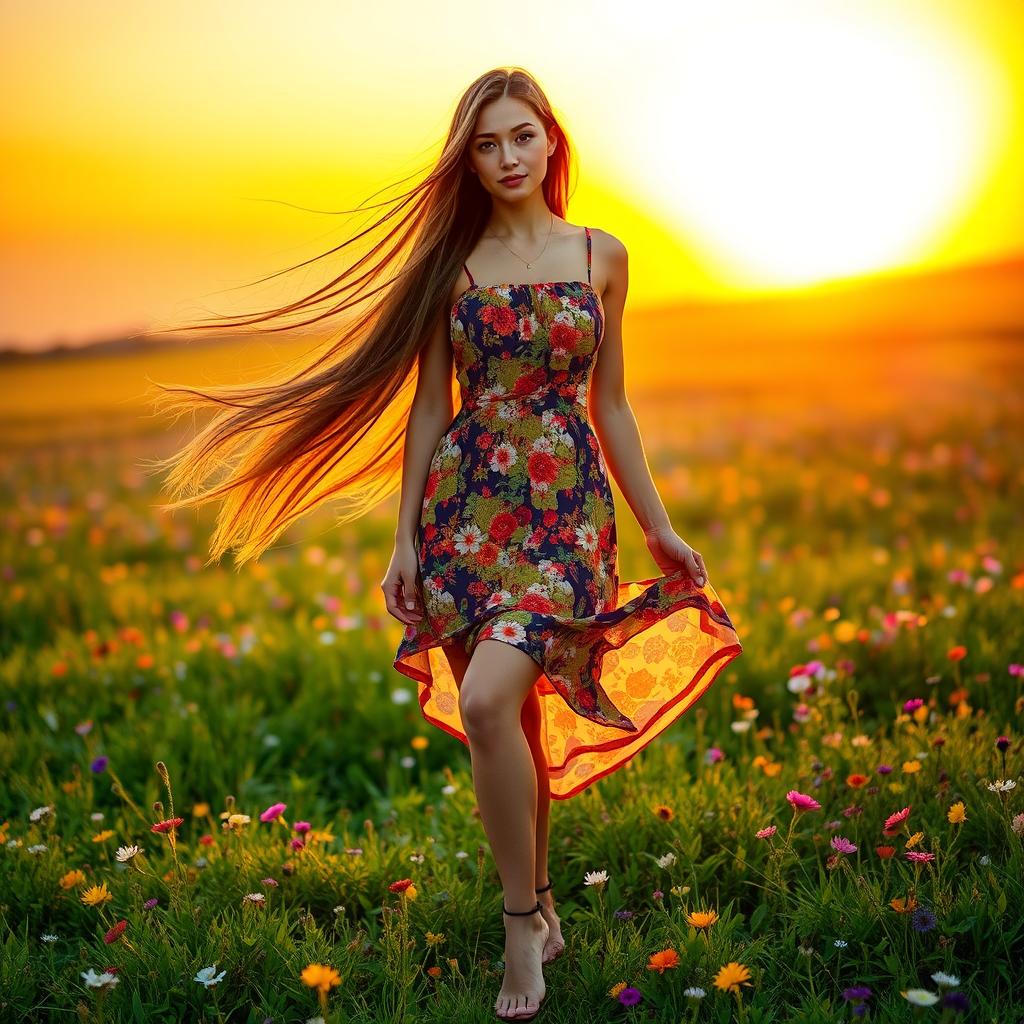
x=830, y=404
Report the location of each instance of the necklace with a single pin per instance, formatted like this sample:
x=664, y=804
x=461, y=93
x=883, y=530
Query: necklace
x=541, y=253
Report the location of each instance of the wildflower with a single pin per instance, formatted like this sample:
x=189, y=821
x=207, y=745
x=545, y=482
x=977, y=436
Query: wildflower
x=923, y=920
x=597, y=878
x=165, y=826
x=616, y=989
x=912, y=705
x=208, y=976
x=322, y=977
x=856, y=993
x=885, y=852
x=657, y=895
x=702, y=918
x=237, y=820
x=126, y=853
x=694, y=992
x=47, y=937
x=630, y=996
x=273, y=811
x=802, y=802
x=856, y=781
x=407, y=761
x=713, y=755
x=419, y=742
x=914, y=840
x=302, y=827
x=201, y=810
x=256, y=899
x=895, y=821
x=766, y=833
x=400, y=886
x=1002, y=785
x=38, y=848
x=40, y=812
x=956, y=654
x=96, y=895
x=1017, y=825
x=434, y=971
x=150, y=904
x=102, y=837
x=667, y=860
x=1003, y=743
x=115, y=933
x=909, y=767
x=919, y=856
x=957, y=813
x=269, y=881
x=945, y=980
x=664, y=812
x=842, y=845
x=434, y=938
x=840, y=943
x=731, y=976
x=106, y=980
x=663, y=960
x=920, y=997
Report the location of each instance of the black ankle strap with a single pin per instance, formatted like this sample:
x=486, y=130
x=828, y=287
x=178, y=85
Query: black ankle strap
x=521, y=913
x=544, y=888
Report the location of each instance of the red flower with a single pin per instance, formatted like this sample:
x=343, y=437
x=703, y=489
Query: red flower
x=885, y=852
x=401, y=885
x=166, y=826
x=503, y=525
x=542, y=467
x=115, y=933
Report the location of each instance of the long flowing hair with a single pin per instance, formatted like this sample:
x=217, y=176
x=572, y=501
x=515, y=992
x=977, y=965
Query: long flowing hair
x=335, y=428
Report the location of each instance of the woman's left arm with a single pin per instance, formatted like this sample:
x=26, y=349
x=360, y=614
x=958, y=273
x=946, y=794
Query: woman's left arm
x=617, y=431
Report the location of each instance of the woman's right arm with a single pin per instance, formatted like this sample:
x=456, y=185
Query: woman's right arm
x=431, y=412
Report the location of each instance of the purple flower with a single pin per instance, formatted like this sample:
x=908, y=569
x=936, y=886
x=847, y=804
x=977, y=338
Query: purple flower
x=912, y=705
x=856, y=993
x=843, y=845
x=1003, y=743
x=923, y=920
x=630, y=996
x=711, y=755
x=623, y=915
x=150, y=904
x=100, y=763
x=657, y=895
x=956, y=1001
x=884, y=769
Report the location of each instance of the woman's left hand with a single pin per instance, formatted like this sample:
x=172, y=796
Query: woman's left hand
x=671, y=553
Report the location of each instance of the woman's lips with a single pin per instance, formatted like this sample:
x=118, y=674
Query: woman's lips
x=512, y=182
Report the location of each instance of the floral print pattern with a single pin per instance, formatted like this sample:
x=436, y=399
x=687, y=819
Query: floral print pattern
x=516, y=542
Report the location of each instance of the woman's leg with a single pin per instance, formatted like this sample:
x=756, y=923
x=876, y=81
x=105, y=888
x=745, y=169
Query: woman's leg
x=531, y=721
x=496, y=682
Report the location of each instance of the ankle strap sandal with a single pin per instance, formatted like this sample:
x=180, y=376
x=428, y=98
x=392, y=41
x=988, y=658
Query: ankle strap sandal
x=521, y=913
x=544, y=888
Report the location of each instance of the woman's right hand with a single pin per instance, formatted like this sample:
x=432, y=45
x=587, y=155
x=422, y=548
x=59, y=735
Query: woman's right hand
x=400, y=584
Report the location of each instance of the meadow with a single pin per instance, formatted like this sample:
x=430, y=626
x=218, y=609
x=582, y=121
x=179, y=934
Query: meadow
x=220, y=802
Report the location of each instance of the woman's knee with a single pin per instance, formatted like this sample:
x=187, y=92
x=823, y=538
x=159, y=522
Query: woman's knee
x=485, y=710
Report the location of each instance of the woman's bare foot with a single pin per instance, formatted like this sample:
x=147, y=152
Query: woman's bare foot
x=522, y=988
x=555, y=943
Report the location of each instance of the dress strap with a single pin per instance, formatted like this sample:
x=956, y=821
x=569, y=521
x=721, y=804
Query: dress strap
x=472, y=283
x=588, y=252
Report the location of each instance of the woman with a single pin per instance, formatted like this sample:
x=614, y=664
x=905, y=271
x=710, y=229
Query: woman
x=524, y=643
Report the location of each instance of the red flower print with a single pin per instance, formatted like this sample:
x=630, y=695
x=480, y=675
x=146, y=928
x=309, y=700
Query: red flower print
x=430, y=489
x=564, y=336
x=503, y=525
x=488, y=553
x=523, y=515
x=543, y=467
x=503, y=319
x=550, y=517
x=484, y=441
x=537, y=603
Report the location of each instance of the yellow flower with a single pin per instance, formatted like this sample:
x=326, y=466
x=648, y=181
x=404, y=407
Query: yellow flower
x=731, y=976
x=409, y=893
x=702, y=918
x=616, y=989
x=957, y=813
x=914, y=840
x=419, y=742
x=200, y=810
x=102, y=837
x=435, y=939
x=319, y=835
x=72, y=878
x=97, y=895
x=910, y=767
x=903, y=905
x=321, y=977
x=895, y=787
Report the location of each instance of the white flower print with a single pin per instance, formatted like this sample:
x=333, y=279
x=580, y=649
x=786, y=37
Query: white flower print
x=503, y=457
x=512, y=631
x=468, y=539
x=501, y=597
x=586, y=536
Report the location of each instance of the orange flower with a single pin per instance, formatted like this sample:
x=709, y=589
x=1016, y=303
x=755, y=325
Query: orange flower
x=702, y=918
x=856, y=780
x=663, y=960
x=885, y=852
x=957, y=653
x=72, y=878
x=434, y=972
x=731, y=976
x=904, y=906
x=741, y=702
x=664, y=812
x=321, y=977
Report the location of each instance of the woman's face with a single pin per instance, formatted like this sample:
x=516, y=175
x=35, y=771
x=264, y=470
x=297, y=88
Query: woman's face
x=509, y=141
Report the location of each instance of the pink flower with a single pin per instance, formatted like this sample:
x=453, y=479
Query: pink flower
x=802, y=802
x=897, y=819
x=273, y=811
x=766, y=833
x=842, y=845
x=919, y=856
x=912, y=705
x=302, y=826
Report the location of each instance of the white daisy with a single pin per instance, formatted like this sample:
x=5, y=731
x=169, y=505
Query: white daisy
x=586, y=536
x=667, y=860
x=208, y=976
x=47, y=937
x=945, y=980
x=920, y=997
x=597, y=878
x=40, y=812
x=468, y=539
x=104, y=980
x=694, y=992
x=125, y=853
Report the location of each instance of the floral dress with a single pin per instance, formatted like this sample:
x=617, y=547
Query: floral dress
x=516, y=542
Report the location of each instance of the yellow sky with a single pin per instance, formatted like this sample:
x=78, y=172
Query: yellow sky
x=146, y=150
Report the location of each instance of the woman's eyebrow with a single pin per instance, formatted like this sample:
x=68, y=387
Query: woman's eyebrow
x=480, y=135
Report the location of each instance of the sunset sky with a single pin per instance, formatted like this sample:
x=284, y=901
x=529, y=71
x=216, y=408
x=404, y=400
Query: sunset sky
x=150, y=151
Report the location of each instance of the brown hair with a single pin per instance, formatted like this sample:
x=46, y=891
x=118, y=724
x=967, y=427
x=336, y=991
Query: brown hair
x=336, y=427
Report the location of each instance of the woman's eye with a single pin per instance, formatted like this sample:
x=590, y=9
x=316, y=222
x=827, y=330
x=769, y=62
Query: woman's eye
x=521, y=135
